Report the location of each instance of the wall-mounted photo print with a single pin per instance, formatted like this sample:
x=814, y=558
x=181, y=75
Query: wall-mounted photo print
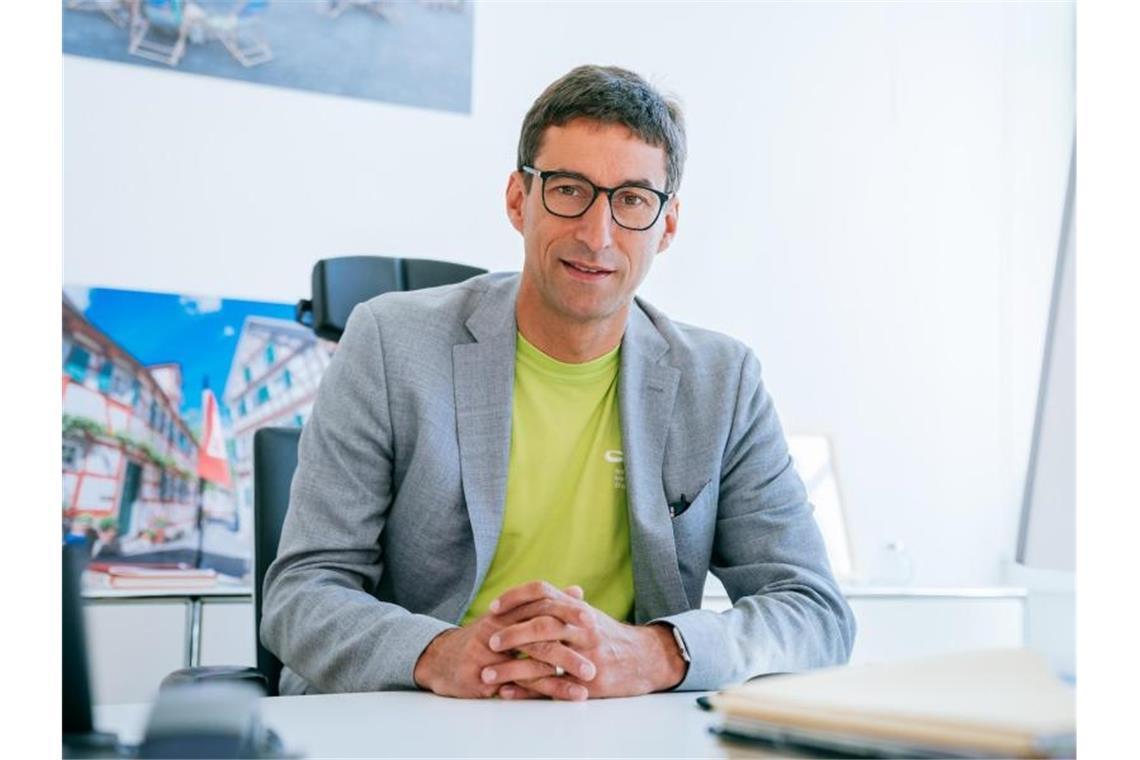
x=162, y=394
x=411, y=52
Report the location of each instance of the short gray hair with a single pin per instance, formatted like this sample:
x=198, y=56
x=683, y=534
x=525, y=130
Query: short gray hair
x=610, y=95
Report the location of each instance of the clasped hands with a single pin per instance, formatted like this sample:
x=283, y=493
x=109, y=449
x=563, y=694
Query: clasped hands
x=573, y=651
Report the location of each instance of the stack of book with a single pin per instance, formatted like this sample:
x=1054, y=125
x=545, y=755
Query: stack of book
x=150, y=577
x=994, y=703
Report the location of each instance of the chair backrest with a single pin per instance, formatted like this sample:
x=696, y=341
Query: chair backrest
x=274, y=460
x=341, y=283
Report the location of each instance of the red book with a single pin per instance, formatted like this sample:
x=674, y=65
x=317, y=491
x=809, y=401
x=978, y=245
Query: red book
x=154, y=576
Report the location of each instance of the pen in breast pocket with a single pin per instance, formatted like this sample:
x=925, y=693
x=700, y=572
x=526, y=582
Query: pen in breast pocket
x=678, y=507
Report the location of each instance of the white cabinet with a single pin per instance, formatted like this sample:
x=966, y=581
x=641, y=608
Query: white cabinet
x=227, y=634
x=896, y=623
x=132, y=645
x=900, y=626
x=135, y=641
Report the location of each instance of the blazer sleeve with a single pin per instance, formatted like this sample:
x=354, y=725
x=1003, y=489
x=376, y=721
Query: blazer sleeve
x=788, y=613
x=320, y=616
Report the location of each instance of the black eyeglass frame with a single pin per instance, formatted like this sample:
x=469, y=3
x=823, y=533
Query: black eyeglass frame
x=598, y=190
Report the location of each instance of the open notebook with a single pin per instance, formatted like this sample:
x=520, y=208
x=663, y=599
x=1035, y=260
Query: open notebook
x=1003, y=702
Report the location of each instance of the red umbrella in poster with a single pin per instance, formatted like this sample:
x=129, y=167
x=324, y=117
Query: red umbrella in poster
x=212, y=462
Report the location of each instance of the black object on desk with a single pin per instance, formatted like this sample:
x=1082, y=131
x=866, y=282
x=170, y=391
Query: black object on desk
x=822, y=744
x=80, y=739
x=705, y=703
x=210, y=673
x=210, y=719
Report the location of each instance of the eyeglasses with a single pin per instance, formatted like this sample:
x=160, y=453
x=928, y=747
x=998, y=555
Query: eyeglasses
x=634, y=207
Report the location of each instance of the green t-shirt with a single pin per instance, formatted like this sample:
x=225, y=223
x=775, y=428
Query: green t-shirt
x=565, y=519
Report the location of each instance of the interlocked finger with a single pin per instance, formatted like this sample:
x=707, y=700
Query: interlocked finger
x=531, y=592
x=558, y=688
x=568, y=610
x=561, y=656
x=515, y=691
x=526, y=670
x=542, y=628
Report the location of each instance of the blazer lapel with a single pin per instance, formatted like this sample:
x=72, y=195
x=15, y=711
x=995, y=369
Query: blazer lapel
x=484, y=374
x=647, y=388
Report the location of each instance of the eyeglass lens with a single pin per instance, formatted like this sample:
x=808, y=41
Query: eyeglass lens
x=633, y=207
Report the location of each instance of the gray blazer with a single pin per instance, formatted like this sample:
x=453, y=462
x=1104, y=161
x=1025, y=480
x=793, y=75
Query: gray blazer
x=397, y=502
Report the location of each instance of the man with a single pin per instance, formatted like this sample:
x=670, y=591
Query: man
x=515, y=486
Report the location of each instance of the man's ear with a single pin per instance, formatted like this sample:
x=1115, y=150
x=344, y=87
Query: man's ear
x=516, y=200
x=672, y=211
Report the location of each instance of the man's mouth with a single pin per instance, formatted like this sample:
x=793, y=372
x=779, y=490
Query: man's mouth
x=586, y=271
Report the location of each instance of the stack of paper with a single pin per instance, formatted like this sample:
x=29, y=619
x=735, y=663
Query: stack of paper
x=997, y=702
x=143, y=577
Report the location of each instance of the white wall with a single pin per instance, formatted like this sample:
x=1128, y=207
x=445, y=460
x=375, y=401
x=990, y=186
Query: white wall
x=872, y=202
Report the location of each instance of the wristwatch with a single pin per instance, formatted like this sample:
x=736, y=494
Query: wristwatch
x=681, y=644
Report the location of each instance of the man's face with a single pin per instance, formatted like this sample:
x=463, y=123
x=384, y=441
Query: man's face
x=556, y=249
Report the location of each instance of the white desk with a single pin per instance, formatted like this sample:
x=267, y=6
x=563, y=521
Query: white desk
x=136, y=640
x=418, y=724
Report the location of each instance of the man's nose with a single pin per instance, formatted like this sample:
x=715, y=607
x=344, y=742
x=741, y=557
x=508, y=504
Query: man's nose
x=596, y=226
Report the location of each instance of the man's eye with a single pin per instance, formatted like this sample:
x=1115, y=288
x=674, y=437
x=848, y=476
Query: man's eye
x=631, y=199
x=568, y=190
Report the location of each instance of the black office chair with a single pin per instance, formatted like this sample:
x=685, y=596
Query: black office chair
x=274, y=460
x=338, y=285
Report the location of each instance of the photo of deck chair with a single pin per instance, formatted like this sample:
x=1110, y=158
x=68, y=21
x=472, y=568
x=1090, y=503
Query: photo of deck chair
x=333, y=8
x=160, y=29
x=242, y=32
x=119, y=11
x=395, y=51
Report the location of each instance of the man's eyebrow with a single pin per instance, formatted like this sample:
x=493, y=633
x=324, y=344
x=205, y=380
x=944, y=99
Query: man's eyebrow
x=641, y=181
